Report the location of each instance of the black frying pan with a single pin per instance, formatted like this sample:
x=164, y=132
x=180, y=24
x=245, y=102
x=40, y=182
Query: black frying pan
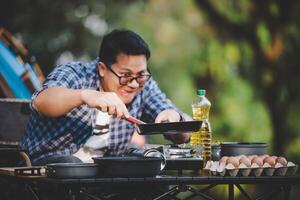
x=168, y=127
x=165, y=127
x=72, y=170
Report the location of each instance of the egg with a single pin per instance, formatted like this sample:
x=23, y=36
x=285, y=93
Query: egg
x=257, y=160
x=263, y=156
x=223, y=159
x=234, y=161
x=281, y=160
x=240, y=156
x=275, y=157
x=251, y=156
x=270, y=161
x=245, y=161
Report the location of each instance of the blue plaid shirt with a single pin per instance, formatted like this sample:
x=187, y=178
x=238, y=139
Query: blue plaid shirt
x=64, y=135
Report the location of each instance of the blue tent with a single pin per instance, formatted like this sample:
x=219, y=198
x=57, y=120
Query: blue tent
x=16, y=74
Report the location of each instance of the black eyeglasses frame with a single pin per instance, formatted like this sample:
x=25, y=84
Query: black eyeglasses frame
x=136, y=78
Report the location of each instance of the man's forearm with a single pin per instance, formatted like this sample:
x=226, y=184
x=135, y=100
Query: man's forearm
x=57, y=101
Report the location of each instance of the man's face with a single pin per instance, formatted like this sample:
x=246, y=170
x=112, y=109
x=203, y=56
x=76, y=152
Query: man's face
x=126, y=65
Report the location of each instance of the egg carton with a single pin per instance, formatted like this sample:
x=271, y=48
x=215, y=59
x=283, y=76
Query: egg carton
x=216, y=168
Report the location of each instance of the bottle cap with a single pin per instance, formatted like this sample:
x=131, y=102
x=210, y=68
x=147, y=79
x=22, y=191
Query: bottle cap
x=201, y=92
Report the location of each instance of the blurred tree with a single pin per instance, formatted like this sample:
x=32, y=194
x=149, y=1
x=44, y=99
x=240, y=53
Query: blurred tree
x=60, y=31
x=271, y=29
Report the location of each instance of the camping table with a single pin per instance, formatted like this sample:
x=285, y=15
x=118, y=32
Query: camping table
x=180, y=183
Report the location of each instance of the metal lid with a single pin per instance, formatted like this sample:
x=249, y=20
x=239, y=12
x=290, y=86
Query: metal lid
x=244, y=144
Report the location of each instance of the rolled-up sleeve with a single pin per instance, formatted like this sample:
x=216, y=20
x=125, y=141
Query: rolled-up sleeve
x=62, y=76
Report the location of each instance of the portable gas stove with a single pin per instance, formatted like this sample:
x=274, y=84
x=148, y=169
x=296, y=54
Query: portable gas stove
x=178, y=157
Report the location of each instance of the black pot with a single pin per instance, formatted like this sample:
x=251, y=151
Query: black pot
x=72, y=170
x=243, y=148
x=129, y=166
x=215, y=152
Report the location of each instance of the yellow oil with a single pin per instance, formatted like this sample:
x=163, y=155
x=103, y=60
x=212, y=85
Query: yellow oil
x=203, y=136
x=199, y=113
x=205, y=141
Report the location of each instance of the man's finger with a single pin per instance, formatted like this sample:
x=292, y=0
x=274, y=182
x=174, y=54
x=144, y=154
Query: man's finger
x=111, y=109
x=119, y=113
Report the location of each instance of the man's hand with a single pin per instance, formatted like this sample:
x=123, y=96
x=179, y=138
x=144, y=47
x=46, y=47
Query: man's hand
x=57, y=101
x=168, y=115
x=106, y=102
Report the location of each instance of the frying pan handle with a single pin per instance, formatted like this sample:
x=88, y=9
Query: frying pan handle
x=156, y=153
x=50, y=171
x=134, y=120
x=163, y=163
x=137, y=128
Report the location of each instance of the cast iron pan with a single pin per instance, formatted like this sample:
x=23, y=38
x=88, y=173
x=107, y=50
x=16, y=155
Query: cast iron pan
x=243, y=148
x=72, y=170
x=128, y=166
x=168, y=127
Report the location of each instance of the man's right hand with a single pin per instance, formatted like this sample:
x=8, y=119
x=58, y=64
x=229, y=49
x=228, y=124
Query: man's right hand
x=105, y=101
x=57, y=101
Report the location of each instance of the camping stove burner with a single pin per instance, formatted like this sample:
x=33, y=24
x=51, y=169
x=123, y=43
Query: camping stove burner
x=177, y=151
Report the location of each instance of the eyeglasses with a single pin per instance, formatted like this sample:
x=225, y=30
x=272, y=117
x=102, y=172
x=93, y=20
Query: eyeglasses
x=125, y=79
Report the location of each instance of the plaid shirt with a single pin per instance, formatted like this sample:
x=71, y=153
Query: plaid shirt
x=64, y=135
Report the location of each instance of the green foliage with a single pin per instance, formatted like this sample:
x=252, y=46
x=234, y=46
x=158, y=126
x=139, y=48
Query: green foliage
x=240, y=116
x=236, y=11
x=263, y=35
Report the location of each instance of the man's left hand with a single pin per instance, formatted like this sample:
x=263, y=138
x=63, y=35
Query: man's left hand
x=168, y=115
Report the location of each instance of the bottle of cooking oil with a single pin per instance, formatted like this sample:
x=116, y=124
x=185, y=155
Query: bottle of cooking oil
x=202, y=138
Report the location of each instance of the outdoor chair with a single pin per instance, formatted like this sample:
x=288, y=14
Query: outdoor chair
x=14, y=114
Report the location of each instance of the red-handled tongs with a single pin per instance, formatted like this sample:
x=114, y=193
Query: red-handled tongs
x=134, y=120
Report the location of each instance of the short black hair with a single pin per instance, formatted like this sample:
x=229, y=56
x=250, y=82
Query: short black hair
x=122, y=41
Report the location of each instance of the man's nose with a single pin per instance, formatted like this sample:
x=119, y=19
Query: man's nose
x=133, y=83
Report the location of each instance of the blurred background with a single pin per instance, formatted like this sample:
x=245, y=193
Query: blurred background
x=244, y=53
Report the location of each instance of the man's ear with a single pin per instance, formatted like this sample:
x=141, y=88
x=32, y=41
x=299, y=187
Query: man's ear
x=101, y=68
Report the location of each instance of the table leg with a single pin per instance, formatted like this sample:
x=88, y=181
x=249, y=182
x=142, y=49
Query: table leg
x=231, y=191
x=202, y=190
x=243, y=191
x=173, y=190
x=286, y=192
x=90, y=196
x=269, y=194
x=207, y=188
x=199, y=193
x=31, y=190
x=72, y=195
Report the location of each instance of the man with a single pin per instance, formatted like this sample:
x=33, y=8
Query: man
x=79, y=112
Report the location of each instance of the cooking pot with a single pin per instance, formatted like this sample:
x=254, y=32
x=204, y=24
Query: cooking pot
x=243, y=148
x=215, y=152
x=71, y=170
x=129, y=166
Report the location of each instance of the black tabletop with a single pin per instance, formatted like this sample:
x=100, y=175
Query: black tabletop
x=171, y=180
x=165, y=178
